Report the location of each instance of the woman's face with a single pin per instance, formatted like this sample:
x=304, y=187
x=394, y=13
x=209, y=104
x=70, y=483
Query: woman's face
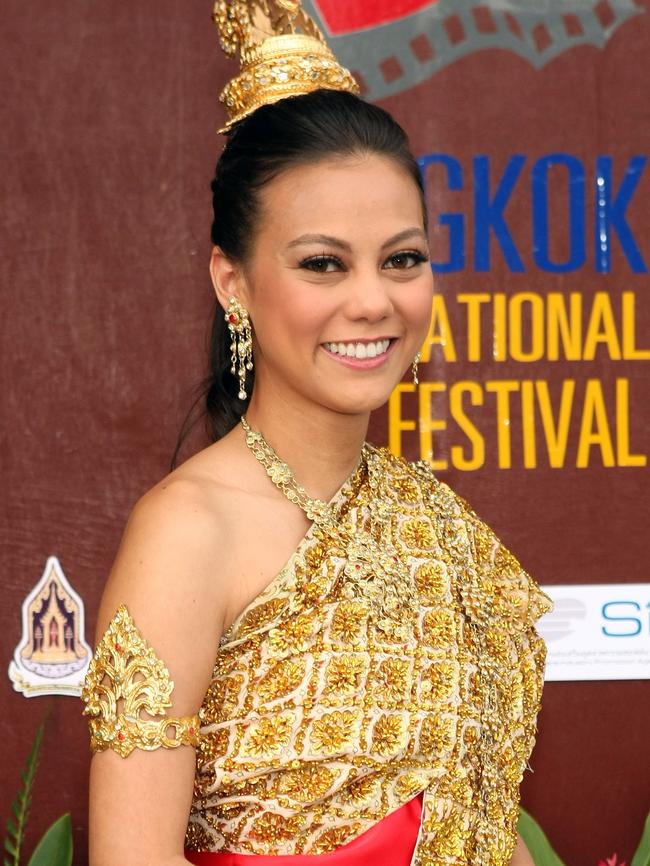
x=338, y=285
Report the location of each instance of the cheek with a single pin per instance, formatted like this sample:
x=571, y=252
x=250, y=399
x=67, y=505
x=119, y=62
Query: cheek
x=416, y=304
x=293, y=312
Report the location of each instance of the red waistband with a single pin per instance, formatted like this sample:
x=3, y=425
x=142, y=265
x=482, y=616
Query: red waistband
x=396, y=833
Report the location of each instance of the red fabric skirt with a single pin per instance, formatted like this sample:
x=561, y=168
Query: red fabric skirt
x=390, y=842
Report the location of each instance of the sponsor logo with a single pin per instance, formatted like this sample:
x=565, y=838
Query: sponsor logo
x=561, y=621
x=597, y=632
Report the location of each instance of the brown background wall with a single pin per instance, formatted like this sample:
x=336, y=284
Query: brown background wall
x=108, y=143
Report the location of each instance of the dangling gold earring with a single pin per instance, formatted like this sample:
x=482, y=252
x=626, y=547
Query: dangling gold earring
x=414, y=366
x=241, y=342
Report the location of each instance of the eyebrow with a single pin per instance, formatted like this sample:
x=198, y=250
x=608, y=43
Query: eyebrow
x=404, y=235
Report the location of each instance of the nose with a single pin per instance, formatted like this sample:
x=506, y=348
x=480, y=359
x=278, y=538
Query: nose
x=368, y=297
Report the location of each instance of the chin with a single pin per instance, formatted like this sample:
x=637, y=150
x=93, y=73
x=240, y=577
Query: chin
x=357, y=401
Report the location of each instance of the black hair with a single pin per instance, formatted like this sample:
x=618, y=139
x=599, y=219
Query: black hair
x=294, y=131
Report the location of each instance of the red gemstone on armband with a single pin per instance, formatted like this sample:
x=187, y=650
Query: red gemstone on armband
x=120, y=736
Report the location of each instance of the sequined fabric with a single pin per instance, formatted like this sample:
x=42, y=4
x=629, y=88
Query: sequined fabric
x=395, y=833
x=318, y=722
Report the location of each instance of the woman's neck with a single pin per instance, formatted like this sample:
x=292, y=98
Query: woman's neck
x=320, y=446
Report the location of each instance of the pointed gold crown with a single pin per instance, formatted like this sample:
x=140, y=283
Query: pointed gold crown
x=282, y=53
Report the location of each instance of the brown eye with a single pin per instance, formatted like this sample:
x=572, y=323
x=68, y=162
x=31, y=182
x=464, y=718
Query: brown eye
x=321, y=264
x=405, y=260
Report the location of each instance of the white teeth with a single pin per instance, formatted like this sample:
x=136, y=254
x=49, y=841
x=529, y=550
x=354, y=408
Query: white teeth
x=359, y=350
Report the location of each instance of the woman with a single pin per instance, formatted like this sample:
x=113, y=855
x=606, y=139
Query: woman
x=355, y=673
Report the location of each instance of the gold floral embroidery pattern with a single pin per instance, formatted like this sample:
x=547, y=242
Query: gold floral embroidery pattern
x=334, y=732
x=388, y=735
x=310, y=782
x=349, y=621
x=343, y=674
x=431, y=581
x=275, y=828
x=363, y=790
x=267, y=737
x=438, y=627
x=320, y=720
x=281, y=680
x=334, y=838
x=294, y=635
x=437, y=734
x=417, y=534
x=393, y=682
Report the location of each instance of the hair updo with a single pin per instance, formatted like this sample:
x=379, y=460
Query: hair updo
x=292, y=132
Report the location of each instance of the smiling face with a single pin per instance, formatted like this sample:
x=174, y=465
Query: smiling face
x=338, y=284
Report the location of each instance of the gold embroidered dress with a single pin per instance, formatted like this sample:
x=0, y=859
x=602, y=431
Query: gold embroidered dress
x=404, y=662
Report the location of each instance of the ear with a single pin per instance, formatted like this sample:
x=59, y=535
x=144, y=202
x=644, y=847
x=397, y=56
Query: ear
x=227, y=278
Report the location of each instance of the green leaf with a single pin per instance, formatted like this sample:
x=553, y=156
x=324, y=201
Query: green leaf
x=538, y=845
x=642, y=856
x=55, y=848
x=20, y=806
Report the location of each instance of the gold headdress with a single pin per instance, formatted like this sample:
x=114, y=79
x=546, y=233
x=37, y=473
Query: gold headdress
x=282, y=53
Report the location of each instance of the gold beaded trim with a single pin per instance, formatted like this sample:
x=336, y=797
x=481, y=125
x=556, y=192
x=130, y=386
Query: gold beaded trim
x=125, y=669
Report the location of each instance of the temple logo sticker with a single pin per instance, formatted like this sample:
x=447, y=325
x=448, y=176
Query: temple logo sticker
x=52, y=655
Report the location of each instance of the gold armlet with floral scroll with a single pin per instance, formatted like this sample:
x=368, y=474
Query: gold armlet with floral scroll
x=127, y=690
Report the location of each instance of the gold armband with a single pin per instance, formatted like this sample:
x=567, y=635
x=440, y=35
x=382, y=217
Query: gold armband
x=125, y=669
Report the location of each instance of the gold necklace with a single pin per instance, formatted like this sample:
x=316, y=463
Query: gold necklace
x=282, y=476
x=373, y=569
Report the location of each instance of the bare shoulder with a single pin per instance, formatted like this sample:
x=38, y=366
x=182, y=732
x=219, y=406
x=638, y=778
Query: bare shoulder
x=169, y=544
x=168, y=573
